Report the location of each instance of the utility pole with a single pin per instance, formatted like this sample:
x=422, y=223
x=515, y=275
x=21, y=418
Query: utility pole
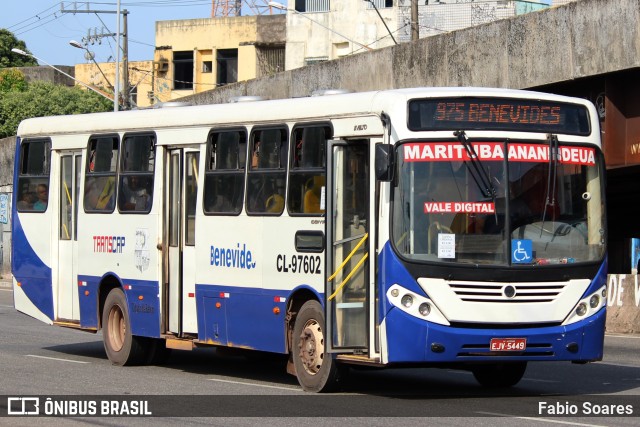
x=415, y=30
x=125, y=50
x=126, y=89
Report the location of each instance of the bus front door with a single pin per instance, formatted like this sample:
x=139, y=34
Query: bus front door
x=181, y=191
x=347, y=288
x=68, y=305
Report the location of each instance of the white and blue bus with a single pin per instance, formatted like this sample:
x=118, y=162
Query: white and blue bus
x=437, y=227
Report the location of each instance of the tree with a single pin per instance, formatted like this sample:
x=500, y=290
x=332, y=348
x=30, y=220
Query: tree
x=9, y=41
x=46, y=99
x=12, y=79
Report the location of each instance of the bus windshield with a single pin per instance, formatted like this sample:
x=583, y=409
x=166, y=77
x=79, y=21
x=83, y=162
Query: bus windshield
x=499, y=202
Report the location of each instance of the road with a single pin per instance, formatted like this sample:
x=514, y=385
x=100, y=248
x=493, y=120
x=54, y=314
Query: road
x=206, y=387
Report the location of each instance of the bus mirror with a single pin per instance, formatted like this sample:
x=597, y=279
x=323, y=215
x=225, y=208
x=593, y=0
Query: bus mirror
x=384, y=162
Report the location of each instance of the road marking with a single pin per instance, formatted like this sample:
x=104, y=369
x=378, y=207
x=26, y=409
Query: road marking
x=6, y=290
x=545, y=420
x=540, y=381
x=256, y=385
x=6, y=306
x=55, y=358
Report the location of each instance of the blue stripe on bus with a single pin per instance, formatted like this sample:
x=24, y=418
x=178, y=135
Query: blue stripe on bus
x=28, y=269
x=409, y=340
x=243, y=317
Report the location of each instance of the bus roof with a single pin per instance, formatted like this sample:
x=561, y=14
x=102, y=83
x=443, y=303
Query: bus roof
x=307, y=108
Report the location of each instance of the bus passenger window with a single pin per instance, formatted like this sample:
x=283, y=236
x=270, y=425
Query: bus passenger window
x=224, y=176
x=136, y=173
x=100, y=174
x=33, y=176
x=307, y=174
x=267, y=175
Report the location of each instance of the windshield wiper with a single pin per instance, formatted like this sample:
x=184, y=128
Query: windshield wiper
x=550, y=196
x=481, y=177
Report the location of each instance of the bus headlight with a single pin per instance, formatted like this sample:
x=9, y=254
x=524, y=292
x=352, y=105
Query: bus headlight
x=407, y=300
x=415, y=304
x=587, y=306
x=582, y=309
x=424, y=309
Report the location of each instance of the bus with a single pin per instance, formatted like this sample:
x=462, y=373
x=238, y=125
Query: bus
x=433, y=227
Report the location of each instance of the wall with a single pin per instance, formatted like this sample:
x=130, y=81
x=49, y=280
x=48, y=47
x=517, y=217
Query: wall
x=7, y=151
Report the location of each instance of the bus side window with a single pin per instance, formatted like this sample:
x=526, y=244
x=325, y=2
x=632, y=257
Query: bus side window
x=135, y=186
x=224, y=176
x=307, y=173
x=33, y=177
x=100, y=174
x=267, y=175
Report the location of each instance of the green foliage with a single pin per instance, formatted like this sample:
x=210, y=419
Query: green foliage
x=9, y=59
x=12, y=79
x=46, y=99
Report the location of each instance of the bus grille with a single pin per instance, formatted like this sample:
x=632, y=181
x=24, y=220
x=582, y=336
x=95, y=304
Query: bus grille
x=507, y=293
x=482, y=350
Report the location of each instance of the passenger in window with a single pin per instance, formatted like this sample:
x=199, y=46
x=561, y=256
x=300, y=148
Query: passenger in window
x=42, y=192
x=26, y=202
x=275, y=202
x=135, y=196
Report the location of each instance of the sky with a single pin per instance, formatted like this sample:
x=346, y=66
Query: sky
x=47, y=31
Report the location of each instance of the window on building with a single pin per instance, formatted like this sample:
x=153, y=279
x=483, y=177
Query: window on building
x=100, y=174
x=135, y=189
x=312, y=5
x=310, y=60
x=227, y=60
x=224, y=175
x=33, y=178
x=267, y=171
x=207, y=66
x=380, y=4
x=307, y=173
x=183, y=70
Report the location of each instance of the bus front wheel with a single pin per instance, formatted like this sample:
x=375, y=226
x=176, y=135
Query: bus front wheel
x=121, y=346
x=496, y=375
x=315, y=369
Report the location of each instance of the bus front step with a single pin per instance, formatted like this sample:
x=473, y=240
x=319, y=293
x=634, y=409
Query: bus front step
x=179, y=344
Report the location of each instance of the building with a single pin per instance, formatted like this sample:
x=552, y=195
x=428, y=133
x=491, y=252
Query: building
x=196, y=55
x=322, y=30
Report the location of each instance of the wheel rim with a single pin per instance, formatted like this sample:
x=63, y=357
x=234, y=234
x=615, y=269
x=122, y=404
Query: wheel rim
x=311, y=347
x=117, y=328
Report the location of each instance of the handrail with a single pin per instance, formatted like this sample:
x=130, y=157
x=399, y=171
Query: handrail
x=346, y=279
x=333, y=276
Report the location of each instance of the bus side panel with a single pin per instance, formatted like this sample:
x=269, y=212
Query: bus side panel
x=241, y=317
x=144, y=307
x=30, y=272
x=88, y=292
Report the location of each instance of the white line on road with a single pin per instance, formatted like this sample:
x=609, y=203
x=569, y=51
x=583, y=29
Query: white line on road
x=6, y=290
x=256, y=385
x=55, y=358
x=545, y=420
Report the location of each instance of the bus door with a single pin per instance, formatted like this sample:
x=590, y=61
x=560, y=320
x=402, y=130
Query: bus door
x=347, y=290
x=181, y=190
x=67, y=295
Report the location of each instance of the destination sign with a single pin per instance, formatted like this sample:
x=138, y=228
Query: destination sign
x=498, y=114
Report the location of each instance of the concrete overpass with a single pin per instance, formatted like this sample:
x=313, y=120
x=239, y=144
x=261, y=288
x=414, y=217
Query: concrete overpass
x=588, y=48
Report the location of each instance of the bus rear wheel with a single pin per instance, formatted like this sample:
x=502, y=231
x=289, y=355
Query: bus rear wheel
x=121, y=346
x=315, y=369
x=497, y=375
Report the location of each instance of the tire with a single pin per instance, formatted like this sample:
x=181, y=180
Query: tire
x=121, y=346
x=498, y=375
x=315, y=369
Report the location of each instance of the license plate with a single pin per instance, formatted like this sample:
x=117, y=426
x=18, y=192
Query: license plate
x=508, y=344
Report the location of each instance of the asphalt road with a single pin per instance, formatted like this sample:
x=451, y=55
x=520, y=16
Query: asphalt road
x=207, y=387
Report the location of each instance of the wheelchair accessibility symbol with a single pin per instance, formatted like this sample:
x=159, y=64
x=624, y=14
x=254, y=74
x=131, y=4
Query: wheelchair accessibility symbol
x=521, y=251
